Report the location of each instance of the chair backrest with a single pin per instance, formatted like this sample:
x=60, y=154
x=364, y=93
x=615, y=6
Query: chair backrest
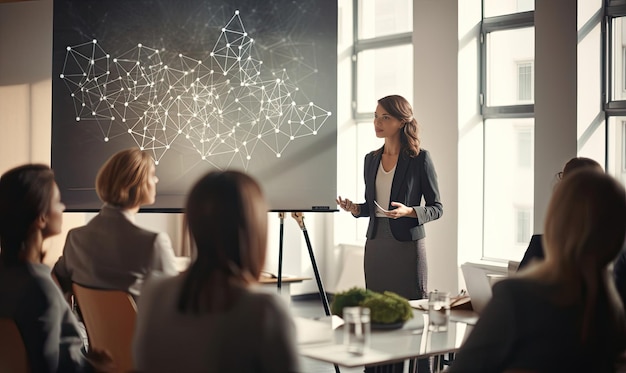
x=109, y=317
x=13, y=356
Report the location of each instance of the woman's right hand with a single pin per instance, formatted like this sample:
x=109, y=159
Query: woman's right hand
x=348, y=205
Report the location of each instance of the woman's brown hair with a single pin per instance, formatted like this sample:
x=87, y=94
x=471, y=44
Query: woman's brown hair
x=584, y=231
x=226, y=215
x=25, y=195
x=399, y=108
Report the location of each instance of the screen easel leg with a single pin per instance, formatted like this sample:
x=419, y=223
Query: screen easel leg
x=279, y=282
x=320, y=286
x=300, y=219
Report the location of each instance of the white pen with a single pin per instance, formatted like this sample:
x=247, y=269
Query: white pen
x=380, y=207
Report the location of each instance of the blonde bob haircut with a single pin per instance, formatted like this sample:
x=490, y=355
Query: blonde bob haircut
x=123, y=179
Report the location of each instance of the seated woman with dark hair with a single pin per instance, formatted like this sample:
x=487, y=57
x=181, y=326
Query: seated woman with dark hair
x=31, y=211
x=562, y=314
x=534, y=252
x=211, y=318
x=111, y=251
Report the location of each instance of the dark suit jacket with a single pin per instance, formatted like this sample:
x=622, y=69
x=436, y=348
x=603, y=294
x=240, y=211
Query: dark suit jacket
x=415, y=178
x=533, y=252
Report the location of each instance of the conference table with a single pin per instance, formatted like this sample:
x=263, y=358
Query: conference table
x=322, y=340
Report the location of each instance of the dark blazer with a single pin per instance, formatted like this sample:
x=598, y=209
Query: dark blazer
x=533, y=252
x=415, y=178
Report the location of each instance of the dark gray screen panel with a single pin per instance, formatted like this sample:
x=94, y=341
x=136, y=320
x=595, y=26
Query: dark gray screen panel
x=201, y=85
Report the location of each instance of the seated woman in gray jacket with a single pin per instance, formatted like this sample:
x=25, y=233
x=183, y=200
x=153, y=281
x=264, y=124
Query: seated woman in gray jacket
x=110, y=251
x=31, y=211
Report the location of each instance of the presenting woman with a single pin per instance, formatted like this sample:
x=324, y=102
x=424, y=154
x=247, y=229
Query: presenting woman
x=398, y=177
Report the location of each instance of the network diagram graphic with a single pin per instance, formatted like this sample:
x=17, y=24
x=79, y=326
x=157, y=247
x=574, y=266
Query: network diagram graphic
x=225, y=108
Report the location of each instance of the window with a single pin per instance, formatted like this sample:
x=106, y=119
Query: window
x=382, y=65
x=615, y=105
x=507, y=98
x=522, y=223
x=493, y=8
x=525, y=81
x=524, y=148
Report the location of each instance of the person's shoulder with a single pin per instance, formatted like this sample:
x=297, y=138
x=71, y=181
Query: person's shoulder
x=518, y=286
x=262, y=298
x=42, y=285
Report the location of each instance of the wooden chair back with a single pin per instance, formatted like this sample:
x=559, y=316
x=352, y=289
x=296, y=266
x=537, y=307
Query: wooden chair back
x=109, y=317
x=13, y=358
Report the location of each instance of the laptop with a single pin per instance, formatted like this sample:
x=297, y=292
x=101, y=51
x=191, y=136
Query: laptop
x=478, y=285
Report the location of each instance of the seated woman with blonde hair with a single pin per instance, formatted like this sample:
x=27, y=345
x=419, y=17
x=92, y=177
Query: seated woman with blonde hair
x=562, y=314
x=212, y=318
x=111, y=251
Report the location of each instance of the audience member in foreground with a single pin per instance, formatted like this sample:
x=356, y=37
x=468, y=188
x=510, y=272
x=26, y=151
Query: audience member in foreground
x=563, y=314
x=535, y=251
x=111, y=252
x=31, y=211
x=211, y=318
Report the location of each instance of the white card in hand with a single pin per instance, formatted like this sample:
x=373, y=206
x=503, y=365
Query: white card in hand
x=380, y=207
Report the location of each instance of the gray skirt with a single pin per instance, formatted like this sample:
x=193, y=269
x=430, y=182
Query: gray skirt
x=397, y=266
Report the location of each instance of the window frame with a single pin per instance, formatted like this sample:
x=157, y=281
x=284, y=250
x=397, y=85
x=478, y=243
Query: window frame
x=361, y=45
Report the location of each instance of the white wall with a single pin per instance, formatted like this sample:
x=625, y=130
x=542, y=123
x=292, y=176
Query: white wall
x=435, y=45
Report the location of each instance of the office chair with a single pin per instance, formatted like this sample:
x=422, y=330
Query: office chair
x=109, y=317
x=13, y=356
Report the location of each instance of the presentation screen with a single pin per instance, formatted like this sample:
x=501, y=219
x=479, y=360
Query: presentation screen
x=200, y=85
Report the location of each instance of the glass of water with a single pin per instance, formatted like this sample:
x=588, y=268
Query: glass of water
x=438, y=311
x=356, y=326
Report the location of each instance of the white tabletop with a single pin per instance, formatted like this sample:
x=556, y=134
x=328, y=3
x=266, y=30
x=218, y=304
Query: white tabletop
x=386, y=346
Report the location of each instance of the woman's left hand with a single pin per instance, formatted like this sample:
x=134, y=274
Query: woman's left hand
x=400, y=211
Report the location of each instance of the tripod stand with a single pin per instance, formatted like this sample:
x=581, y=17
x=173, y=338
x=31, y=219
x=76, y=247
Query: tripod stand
x=299, y=217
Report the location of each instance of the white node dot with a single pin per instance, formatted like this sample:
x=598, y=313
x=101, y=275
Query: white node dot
x=291, y=137
x=141, y=148
x=115, y=60
x=180, y=55
x=78, y=119
x=258, y=136
x=94, y=41
x=276, y=130
x=62, y=76
x=180, y=131
x=310, y=104
x=223, y=29
x=277, y=155
x=315, y=132
x=329, y=114
x=248, y=157
x=123, y=120
x=112, y=118
x=236, y=12
x=204, y=158
x=167, y=146
x=301, y=122
x=69, y=48
x=130, y=131
x=156, y=163
x=236, y=150
x=139, y=45
x=106, y=139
